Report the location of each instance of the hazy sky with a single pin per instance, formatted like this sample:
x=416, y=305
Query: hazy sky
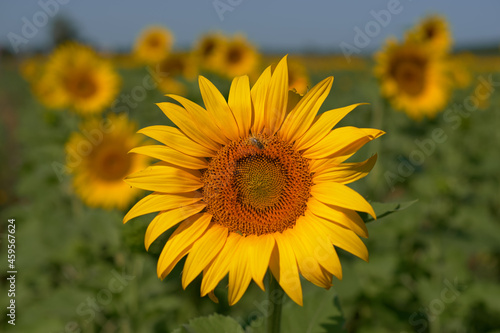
x=273, y=24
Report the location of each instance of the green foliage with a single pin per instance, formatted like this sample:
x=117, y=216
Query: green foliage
x=321, y=313
x=209, y=324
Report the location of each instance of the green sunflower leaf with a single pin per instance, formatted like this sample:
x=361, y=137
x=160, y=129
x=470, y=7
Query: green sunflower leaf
x=384, y=209
x=210, y=324
x=321, y=313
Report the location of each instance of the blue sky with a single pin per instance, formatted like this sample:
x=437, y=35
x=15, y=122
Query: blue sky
x=272, y=25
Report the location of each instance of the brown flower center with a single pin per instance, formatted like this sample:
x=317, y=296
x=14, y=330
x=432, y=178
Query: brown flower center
x=110, y=161
x=81, y=85
x=409, y=73
x=257, y=185
x=154, y=41
x=430, y=32
x=208, y=48
x=234, y=55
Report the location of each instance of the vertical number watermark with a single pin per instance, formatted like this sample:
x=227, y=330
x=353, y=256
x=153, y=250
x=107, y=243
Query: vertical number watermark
x=11, y=272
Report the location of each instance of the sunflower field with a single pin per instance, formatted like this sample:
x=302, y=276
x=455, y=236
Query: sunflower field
x=221, y=188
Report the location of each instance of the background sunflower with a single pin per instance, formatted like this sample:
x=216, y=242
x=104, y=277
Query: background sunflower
x=153, y=44
x=75, y=77
x=413, y=77
x=98, y=157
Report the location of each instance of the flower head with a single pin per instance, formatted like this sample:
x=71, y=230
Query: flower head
x=240, y=57
x=251, y=186
x=77, y=78
x=434, y=31
x=98, y=158
x=153, y=45
x=413, y=77
x=209, y=51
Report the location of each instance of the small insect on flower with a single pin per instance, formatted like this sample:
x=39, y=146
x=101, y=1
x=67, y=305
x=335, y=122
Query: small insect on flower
x=256, y=142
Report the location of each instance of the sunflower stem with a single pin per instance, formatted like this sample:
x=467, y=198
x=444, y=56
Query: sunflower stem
x=275, y=297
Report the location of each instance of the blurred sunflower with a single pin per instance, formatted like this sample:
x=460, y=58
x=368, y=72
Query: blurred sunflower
x=98, y=158
x=413, y=78
x=240, y=57
x=171, y=69
x=76, y=77
x=209, y=51
x=433, y=30
x=31, y=68
x=297, y=77
x=252, y=186
x=153, y=45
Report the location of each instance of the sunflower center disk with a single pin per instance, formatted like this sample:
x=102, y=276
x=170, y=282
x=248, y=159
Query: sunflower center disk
x=257, y=186
x=82, y=85
x=259, y=181
x=410, y=75
x=110, y=162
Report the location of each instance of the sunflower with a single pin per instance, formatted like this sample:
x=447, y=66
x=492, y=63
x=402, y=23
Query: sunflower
x=240, y=57
x=98, y=158
x=31, y=68
x=209, y=51
x=433, y=30
x=77, y=78
x=174, y=67
x=297, y=77
x=153, y=45
x=413, y=78
x=251, y=186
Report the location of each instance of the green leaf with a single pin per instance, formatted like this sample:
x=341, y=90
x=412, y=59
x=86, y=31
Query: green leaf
x=321, y=313
x=384, y=209
x=210, y=324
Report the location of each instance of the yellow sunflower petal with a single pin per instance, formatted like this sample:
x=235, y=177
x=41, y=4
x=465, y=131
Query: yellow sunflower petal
x=166, y=220
x=346, y=217
x=180, y=242
x=172, y=156
x=240, y=103
x=219, y=267
x=339, y=236
x=320, y=246
x=287, y=273
x=322, y=126
x=204, y=118
x=277, y=97
x=156, y=202
x=216, y=104
x=182, y=119
x=167, y=179
x=308, y=265
x=259, y=94
x=346, y=173
x=340, y=139
x=262, y=247
x=301, y=117
x=240, y=273
x=340, y=195
x=174, y=138
x=202, y=252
